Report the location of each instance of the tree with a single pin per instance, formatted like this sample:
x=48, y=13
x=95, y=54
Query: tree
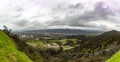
x=6, y=30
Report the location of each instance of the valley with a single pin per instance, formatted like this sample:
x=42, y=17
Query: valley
x=75, y=48
x=68, y=48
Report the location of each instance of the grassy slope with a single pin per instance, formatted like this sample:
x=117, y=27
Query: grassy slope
x=115, y=58
x=8, y=51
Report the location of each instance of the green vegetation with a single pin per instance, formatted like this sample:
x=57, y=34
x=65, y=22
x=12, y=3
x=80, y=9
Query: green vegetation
x=115, y=58
x=36, y=43
x=63, y=41
x=9, y=52
x=79, y=48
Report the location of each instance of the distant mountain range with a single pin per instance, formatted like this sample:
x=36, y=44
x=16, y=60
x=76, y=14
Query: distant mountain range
x=63, y=31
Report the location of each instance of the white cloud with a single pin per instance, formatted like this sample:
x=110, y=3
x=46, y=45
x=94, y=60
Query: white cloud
x=39, y=14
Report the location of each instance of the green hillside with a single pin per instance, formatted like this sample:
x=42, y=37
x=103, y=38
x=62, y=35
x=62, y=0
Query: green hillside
x=115, y=58
x=8, y=51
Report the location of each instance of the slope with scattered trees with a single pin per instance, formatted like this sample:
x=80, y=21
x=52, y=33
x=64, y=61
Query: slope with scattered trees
x=9, y=52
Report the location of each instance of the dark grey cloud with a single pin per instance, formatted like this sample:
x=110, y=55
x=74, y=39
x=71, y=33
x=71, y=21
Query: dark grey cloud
x=82, y=20
x=75, y=6
x=19, y=9
x=78, y=5
x=63, y=7
x=21, y=23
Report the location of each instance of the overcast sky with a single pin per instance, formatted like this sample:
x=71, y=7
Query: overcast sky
x=70, y=14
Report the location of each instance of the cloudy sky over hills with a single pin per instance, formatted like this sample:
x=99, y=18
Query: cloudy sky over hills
x=73, y=14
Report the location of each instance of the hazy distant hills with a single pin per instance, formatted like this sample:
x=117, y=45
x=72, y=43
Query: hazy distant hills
x=63, y=31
